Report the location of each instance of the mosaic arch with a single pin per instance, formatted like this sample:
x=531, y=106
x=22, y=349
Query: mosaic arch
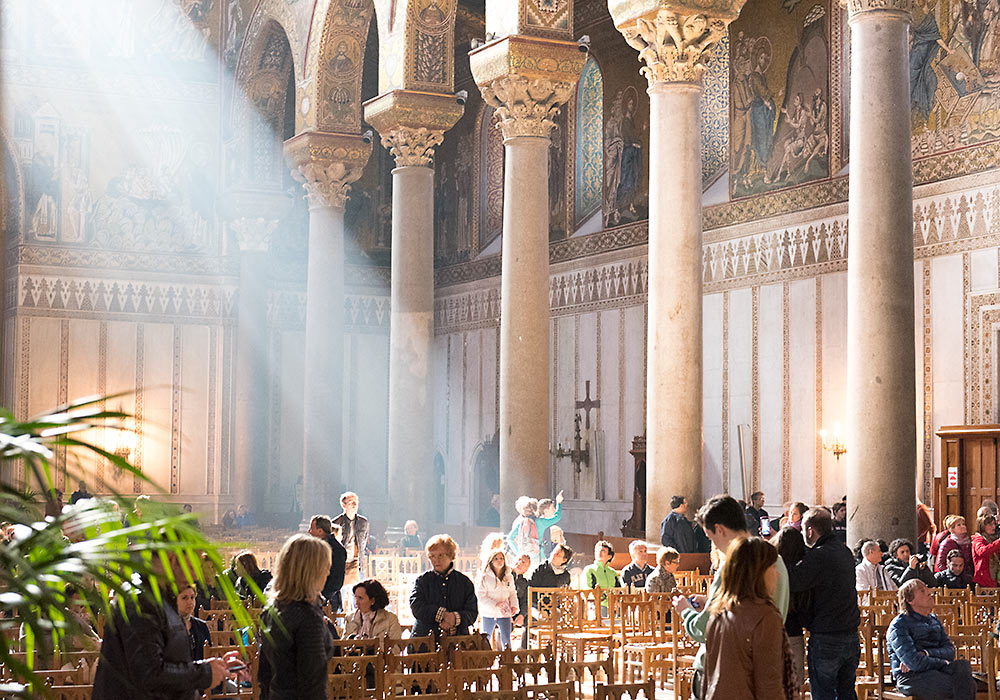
x=254, y=157
x=330, y=95
x=11, y=192
x=589, y=141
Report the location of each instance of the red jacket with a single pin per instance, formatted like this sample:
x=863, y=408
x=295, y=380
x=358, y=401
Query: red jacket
x=981, y=553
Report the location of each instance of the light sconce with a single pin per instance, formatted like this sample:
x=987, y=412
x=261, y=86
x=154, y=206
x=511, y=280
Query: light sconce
x=836, y=446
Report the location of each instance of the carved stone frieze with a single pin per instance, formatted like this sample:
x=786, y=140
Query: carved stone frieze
x=326, y=164
x=673, y=46
x=904, y=8
x=526, y=80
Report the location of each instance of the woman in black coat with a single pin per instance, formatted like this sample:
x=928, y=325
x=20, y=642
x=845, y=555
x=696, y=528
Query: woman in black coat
x=443, y=599
x=297, y=642
x=146, y=655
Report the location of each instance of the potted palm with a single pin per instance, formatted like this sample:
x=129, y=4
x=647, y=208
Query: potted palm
x=97, y=546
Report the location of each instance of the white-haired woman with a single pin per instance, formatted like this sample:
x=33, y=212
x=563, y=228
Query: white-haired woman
x=297, y=643
x=523, y=536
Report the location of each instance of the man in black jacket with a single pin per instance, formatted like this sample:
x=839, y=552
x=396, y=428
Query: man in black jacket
x=322, y=527
x=551, y=573
x=676, y=530
x=827, y=569
x=755, y=512
x=146, y=655
x=354, y=531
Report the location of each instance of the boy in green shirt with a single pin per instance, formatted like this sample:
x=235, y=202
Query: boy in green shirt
x=600, y=574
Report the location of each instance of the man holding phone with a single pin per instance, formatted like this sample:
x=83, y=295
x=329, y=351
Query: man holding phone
x=758, y=521
x=724, y=522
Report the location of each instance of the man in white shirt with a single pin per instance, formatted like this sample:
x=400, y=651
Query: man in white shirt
x=870, y=574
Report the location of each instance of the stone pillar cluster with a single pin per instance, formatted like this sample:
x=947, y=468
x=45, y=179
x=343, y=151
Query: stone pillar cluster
x=326, y=164
x=673, y=41
x=252, y=218
x=412, y=125
x=526, y=80
x=881, y=385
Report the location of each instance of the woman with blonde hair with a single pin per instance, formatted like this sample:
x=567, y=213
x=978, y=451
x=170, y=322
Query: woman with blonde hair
x=747, y=655
x=296, y=643
x=497, y=596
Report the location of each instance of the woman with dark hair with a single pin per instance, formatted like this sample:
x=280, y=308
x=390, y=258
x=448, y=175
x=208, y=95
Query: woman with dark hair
x=791, y=548
x=196, y=627
x=747, y=655
x=371, y=619
x=904, y=564
x=986, y=549
x=248, y=570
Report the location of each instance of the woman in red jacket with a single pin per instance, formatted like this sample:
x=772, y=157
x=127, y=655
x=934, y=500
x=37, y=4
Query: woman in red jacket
x=986, y=550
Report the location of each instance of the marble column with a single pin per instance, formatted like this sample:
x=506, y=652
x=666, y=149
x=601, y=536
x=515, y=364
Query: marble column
x=673, y=42
x=527, y=101
x=326, y=165
x=881, y=436
x=412, y=125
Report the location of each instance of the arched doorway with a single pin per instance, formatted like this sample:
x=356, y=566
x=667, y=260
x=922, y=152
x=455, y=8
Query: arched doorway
x=486, y=484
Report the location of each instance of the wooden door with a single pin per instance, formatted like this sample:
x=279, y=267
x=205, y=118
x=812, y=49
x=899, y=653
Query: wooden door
x=979, y=475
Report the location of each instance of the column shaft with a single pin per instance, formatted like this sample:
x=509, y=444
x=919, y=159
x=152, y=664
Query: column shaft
x=881, y=403
x=411, y=417
x=250, y=444
x=674, y=357
x=524, y=324
x=324, y=361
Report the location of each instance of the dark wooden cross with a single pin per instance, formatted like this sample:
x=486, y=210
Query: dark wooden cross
x=587, y=404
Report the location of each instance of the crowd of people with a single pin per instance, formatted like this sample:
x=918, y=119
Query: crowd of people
x=773, y=581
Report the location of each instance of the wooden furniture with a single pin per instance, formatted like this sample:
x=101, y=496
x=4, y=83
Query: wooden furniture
x=969, y=462
x=627, y=691
x=635, y=526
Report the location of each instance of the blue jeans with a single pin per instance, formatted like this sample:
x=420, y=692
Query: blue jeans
x=503, y=623
x=833, y=664
x=953, y=682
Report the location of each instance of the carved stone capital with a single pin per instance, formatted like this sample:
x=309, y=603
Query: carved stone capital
x=326, y=164
x=253, y=235
x=413, y=147
x=674, y=46
x=253, y=215
x=856, y=8
x=527, y=80
x=412, y=124
x=526, y=107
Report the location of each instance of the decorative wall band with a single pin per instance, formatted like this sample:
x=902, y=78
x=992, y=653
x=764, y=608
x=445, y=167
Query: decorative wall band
x=818, y=425
x=726, y=428
x=786, y=398
x=175, y=414
x=755, y=390
x=928, y=387
x=140, y=352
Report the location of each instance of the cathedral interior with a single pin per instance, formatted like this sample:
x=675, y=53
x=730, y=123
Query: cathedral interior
x=190, y=184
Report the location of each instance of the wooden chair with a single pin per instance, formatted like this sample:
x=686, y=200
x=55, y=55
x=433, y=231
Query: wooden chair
x=60, y=677
x=551, y=691
x=475, y=658
x=552, y=610
x=417, y=662
x=575, y=671
x=531, y=662
x=346, y=686
x=481, y=679
x=431, y=686
x=650, y=636
x=409, y=644
x=632, y=691
x=371, y=667
x=490, y=695
x=70, y=692
x=357, y=647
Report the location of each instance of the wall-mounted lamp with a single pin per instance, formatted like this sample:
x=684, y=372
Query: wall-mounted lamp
x=837, y=446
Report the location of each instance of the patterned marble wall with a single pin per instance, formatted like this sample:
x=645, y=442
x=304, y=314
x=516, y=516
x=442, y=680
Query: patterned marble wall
x=775, y=324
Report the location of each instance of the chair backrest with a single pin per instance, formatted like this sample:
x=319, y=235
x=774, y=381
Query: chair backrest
x=416, y=662
x=346, y=686
x=551, y=691
x=490, y=694
x=533, y=662
x=635, y=620
x=70, y=692
x=480, y=679
x=576, y=672
x=426, y=684
x=627, y=691
x=357, y=647
x=475, y=658
x=976, y=648
x=409, y=645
